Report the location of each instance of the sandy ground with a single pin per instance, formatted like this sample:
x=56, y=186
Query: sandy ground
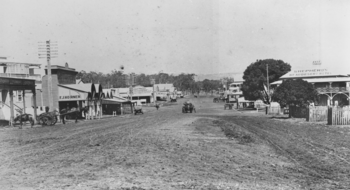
x=166, y=149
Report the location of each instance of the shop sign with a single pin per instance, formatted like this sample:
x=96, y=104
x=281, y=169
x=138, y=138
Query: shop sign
x=28, y=82
x=16, y=82
x=162, y=93
x=309, y=72
x=141, y=91
x=4, y=81
x=69, y=97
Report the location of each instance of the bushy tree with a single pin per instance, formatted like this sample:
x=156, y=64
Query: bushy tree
x=210, y=85
x=255, y=78
x=296, y=92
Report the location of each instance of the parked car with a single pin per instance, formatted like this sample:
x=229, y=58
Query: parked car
x=180, y=94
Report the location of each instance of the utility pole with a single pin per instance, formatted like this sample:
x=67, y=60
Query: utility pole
x=268, y=84
x=160, y=76
x=48, y=50
x=132, y=81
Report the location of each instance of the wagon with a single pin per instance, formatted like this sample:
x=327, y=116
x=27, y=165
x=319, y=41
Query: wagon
x=173, y=99
x=138, y=109
x=47, y=118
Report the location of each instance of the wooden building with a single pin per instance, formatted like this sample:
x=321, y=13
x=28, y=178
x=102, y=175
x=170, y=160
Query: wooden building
x=332, y=84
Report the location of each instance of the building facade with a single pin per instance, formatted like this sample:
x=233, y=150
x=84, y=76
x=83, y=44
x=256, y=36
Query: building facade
x=332, y=84
x=17, y=89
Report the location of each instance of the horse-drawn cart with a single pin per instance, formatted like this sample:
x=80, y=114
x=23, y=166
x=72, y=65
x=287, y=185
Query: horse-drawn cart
x=48, y=118
x=188, y=107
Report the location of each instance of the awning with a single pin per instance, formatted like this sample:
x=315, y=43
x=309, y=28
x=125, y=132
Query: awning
x=116, y=101
x=111, y=101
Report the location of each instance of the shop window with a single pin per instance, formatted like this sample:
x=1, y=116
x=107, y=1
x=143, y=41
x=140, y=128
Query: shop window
x=19, y=96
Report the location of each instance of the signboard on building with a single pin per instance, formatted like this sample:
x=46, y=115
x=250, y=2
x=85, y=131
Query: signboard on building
x=316, y=72
x=162, y=94
x=66, y=94
x=142, y=91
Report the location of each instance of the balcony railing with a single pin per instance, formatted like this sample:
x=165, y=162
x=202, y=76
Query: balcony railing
x=333, y=89
x=36, y=77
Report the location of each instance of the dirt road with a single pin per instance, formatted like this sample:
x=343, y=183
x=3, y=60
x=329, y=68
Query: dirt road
x=166, y=149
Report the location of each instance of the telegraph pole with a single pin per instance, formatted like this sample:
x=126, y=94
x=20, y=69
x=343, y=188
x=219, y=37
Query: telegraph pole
x=48, y=50
x=268, y=84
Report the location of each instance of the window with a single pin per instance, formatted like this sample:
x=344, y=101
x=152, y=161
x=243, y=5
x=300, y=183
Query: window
x=19, y=96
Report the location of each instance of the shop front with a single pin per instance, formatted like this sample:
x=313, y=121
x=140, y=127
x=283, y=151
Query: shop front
x=72, y=96
x=332, y=85
x=7, y=87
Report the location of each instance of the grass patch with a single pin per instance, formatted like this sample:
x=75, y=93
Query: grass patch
x=235, y=132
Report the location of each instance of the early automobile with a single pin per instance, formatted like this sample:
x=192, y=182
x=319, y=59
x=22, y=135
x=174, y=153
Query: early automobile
x=188, y=107
x=138, y=109
x=173, y=98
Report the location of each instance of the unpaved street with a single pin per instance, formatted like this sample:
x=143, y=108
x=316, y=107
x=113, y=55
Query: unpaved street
x=166, y=149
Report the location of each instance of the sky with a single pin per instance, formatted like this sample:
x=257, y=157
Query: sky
x=175, y=36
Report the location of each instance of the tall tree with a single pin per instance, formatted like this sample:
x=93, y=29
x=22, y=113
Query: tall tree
x=255, y=78
x=210, y=85
x=297, y=92
x=143, y=80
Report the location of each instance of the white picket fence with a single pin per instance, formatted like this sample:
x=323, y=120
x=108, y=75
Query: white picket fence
x=318, y=113
x=339, y=116
x=274, y=110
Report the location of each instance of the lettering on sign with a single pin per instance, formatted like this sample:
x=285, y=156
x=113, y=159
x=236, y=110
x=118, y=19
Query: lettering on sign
x=69, y=97
x=4, y=81
x=15, y=82
x=310, y=72
x=28, y=82
x=141, y=91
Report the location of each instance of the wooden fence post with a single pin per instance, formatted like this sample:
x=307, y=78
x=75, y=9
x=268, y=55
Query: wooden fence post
x=329, y=116
x=307, y=114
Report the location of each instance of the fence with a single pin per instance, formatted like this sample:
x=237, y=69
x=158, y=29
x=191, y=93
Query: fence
x=331, y=115
x=273, y=110
x=339, y=116
x=318, y=113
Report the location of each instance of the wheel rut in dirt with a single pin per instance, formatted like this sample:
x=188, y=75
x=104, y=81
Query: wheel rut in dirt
x=313, y=157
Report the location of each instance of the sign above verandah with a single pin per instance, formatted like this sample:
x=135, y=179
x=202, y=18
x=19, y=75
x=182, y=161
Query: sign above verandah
x=303, y=73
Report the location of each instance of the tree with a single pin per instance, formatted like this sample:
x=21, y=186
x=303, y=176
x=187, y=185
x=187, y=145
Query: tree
x=143, y=80
x=210, y=85
x=255, y=80
x=297, y=92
